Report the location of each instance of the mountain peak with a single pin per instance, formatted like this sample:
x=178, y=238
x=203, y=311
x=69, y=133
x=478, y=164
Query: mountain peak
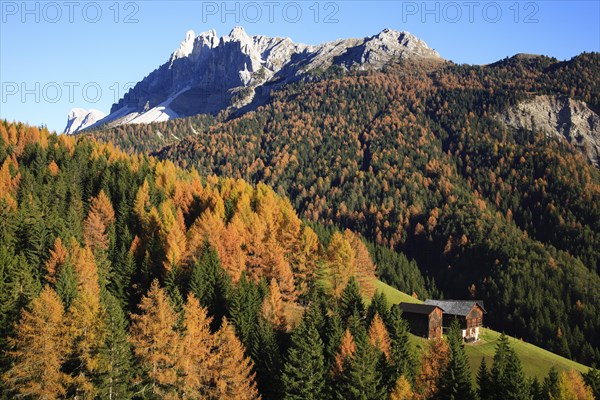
x=208, y=74
x=238, y=33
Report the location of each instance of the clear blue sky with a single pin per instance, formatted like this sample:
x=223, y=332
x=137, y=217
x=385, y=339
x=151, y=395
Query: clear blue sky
x=55, y=55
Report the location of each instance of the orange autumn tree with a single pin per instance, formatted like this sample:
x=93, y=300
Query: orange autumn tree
x=58, y=256
x=346, y=351
x=40, y=349
x=100, y=216
x=172, y=236
x=195, y=357
x=273, y=307
x=156, y=342
x=305, y=265
x=233, y=376
x=9, y=181
x=379, y=337
x=433, y=364
x=402, y=390
x=85, y=319
x=363, y=265
x=341, y=262
x=572, y=386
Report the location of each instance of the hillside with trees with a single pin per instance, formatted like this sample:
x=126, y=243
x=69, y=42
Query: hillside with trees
x=416, y=160
x=125, y=277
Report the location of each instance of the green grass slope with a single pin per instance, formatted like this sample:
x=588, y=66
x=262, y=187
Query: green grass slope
x=536, y=361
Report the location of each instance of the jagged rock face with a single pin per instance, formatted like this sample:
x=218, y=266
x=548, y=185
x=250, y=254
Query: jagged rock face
x=207, y=74
x=79, y=119
x=568, y=119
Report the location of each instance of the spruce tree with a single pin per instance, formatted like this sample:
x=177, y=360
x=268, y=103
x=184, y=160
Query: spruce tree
x=266, y=354
x=351, y=302
x=402, y=361
x=550, y=385
x=304, y=373
x=66, y=284
x=244, y=308
x=483, y=381
x=116, y=357
x=456, y=380
x=379, y=305
x=210, y=283
x=361, y=378
x=507, y=377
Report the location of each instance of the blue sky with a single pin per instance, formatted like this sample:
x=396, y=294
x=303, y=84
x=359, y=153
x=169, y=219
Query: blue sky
x=56, y=55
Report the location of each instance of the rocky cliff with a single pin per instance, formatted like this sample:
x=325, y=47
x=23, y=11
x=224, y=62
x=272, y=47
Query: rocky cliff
x=562, y=117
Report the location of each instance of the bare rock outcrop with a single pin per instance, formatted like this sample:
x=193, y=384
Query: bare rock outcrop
x=568, y=119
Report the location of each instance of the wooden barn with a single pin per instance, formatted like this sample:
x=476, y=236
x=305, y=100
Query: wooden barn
x=423, y=319
x=469, y=312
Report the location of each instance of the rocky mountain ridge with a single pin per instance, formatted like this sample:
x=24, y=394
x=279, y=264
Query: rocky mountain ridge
x=207, y=74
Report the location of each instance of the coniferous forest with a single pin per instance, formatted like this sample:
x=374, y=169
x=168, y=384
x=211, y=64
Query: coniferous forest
x=417, y=160
x=127, y=277
x=236, y=256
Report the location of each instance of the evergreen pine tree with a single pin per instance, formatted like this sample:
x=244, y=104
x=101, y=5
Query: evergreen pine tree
x=483, y=381
x=361, y=378
x=351, y=303
x=66, y=284
x=379, y=305
x=507, y=380
x=266, y=355
x=245, y=305
x=550, y=384
x=210, y=284
x=116, y=357
x=402, y=360
x=304, y=372
x=456, y=380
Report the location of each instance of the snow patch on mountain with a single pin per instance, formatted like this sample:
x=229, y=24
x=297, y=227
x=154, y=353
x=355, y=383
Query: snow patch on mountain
x=79, y=119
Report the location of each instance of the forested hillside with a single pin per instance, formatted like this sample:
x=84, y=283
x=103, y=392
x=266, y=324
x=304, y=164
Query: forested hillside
x=126, y=277
x=416, y=159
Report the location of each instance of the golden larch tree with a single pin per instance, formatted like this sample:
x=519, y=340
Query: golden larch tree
x=102, y=206
x=196, y=357
x=172, y=237
x=363, y=265
x=156, y=342
x=85, y=319
x=233, y=376
x=40, y=348
x=341, y=263
x=346, y=351
x=572, y=387
x=402, y=390
x=273, y=308
x=58, y=256
x=378, y=336
x=433, y=364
